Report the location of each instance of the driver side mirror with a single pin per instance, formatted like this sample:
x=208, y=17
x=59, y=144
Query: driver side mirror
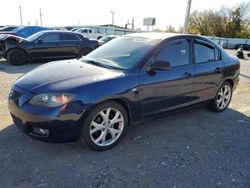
x=159, y=65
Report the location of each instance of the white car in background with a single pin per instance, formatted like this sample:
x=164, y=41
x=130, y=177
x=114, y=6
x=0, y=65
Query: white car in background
x=90, y=33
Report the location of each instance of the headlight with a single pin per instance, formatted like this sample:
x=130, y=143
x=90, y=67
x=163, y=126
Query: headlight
x=51, y=99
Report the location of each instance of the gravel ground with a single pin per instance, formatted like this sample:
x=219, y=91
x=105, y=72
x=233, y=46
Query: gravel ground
x=195, y=148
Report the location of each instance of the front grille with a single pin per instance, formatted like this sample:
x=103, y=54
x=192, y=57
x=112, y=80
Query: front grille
x=2, y=46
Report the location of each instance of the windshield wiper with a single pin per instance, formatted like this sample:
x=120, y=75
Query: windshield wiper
x=97, y=63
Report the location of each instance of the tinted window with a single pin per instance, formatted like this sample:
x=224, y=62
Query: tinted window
x=204, y=53
x=90, y=31
x=85, y=31
x=68, y=36
x=51, y=38
x=176, y=53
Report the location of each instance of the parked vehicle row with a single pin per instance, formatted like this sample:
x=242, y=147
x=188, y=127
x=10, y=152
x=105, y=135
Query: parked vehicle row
x=45, y=45
x=129, y=79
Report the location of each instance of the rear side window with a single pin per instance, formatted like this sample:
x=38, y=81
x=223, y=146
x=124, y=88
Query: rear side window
x=68, y=37
x=51, y=38
x=205, y=53
x=85, y=31
x=176, y=53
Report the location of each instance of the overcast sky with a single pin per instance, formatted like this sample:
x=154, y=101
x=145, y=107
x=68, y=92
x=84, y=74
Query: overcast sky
x=95, y=12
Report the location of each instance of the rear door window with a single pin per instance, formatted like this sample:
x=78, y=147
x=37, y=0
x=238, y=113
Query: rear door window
x=51, y=38
x=205, y=52
x=68, y=37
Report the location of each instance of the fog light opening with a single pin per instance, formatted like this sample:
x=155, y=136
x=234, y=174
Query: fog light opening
x=40, y=131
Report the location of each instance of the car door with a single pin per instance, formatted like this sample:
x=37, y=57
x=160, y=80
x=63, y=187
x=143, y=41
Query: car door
x=208, y=69
x=46, y=47
x=165, y=90
x=70, y=45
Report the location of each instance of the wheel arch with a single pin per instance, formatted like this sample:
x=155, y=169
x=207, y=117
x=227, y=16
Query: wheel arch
x=120, y=101
x=230, y=81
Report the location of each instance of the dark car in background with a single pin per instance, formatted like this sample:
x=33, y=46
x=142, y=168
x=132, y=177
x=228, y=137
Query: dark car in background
x=245, y=46
x=7, y=28
x=129, y=79
x=46, y=45
x=106, y=39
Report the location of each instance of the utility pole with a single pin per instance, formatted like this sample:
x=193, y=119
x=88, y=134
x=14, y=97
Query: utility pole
x=113, y=14
x=41, y=16
x=187, y=16
x=21, y=16
x=132, y=23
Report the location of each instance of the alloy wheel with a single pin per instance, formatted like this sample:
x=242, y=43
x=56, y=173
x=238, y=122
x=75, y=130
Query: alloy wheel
x=223, y=97
x=106, y=127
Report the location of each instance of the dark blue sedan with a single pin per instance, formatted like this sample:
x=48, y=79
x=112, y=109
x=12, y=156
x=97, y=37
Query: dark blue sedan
x=131, y=78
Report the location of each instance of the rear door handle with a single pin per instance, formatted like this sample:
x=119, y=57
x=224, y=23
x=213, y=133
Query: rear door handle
x=219, y=69
x=186, y=75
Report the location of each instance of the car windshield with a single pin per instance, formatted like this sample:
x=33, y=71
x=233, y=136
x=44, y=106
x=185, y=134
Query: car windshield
x=34, y=36
x=121, y=53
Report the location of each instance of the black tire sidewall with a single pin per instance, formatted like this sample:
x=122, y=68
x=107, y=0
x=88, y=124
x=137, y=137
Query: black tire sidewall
x=84, y=133
x=21, y=57
x=214, y=106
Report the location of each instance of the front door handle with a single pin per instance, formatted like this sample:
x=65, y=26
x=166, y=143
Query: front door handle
x=218, y=69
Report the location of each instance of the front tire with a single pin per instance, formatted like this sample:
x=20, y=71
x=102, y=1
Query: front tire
x=104, y=126
x=16, y=57
x=223, y=98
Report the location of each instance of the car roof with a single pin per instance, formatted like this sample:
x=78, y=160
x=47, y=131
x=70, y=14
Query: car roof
x=56, y=31
x=157, y=35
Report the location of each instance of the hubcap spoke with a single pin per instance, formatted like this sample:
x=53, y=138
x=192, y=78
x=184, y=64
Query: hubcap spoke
x=114, y=132
x=101, y=138
x=117, y=118
x=96, y=126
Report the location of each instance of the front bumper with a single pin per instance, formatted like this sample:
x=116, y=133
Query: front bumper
x=2, y=54
x=60, y=124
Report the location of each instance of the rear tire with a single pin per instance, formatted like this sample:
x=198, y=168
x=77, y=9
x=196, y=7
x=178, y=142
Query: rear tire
x=16, y=57
x=104, y=127
x=223, y=98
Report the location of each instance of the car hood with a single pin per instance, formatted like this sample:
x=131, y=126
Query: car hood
x=4, y=37
x=60, y=76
